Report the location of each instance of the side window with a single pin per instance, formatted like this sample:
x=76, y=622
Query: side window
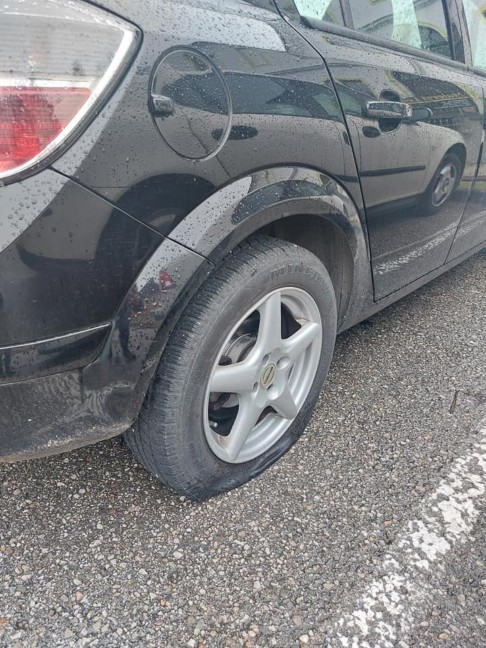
x=411, y=22
x=327, y=10
x=475, y=11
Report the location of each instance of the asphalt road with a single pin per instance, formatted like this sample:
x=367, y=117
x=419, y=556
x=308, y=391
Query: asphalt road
x=93, y=552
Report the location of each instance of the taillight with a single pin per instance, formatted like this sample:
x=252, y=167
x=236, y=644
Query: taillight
x=57, y=59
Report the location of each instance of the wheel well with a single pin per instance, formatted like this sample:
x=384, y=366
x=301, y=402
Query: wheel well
x=460, y=151
x=327, y=241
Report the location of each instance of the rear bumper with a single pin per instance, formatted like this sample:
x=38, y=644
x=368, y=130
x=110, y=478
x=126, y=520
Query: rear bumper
x=52, y=414
x=71, y=390
x=44, y=357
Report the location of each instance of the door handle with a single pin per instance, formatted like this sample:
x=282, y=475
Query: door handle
x=388, y=110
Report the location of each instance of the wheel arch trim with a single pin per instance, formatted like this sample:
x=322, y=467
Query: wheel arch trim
x=250, y=203
x=182, y=262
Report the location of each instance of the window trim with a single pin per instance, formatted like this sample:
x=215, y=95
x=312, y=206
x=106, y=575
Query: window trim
x=348, y=16
x=290, y=11
x=462, y=24
x=460, y=16
x=459, y=40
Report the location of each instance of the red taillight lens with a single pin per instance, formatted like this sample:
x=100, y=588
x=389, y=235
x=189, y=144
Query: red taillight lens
x=57, y=59
x=31, y=118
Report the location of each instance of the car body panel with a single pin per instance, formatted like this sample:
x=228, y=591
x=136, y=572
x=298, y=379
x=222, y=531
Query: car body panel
x=229, y=216
x=398, y=160
x=70, y=408
x=101, y=253
x=53, y=355
x=287, y=125
x=70, y=268
x=472, y=227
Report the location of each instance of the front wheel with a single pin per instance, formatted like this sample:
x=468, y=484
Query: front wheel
x=240, y=375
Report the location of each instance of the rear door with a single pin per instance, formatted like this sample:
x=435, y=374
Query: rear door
x=415, y=118
x=472, y=230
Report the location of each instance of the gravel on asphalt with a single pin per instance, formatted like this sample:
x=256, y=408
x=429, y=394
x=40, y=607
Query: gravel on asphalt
x=94, y=552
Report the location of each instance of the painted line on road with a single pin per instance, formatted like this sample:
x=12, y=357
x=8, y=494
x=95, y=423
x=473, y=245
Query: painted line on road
x=389, y=607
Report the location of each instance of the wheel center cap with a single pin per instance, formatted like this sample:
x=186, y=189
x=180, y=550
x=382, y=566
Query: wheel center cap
x=267, y=376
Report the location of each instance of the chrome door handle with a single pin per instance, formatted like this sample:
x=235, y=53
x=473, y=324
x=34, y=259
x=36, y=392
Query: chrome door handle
x=388, y=110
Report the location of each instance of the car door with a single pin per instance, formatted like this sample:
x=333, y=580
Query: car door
x=471, y=232
x=415, y=120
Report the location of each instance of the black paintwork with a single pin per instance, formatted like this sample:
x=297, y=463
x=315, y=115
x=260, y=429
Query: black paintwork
x=72, y=265
x=226, y=122
x=45, y=357
x=70, y=409
x=397, y=161
x=272, y=75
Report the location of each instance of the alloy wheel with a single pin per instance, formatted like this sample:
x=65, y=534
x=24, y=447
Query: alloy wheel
x=263, y=374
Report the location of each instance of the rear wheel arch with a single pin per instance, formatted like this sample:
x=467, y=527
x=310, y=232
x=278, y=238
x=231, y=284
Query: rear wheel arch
x=296, y=204
x=316, y=214
x=460, y=151
x=327, y=241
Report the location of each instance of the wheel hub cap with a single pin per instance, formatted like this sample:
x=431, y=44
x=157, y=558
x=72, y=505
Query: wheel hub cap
x=267, y=377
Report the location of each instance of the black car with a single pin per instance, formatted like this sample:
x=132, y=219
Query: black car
x=196, y=196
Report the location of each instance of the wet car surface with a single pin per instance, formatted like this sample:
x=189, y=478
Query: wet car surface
x=196, y=198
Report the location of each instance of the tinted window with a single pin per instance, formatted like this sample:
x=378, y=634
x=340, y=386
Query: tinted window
x=328, y=10
x=419, y=23
x=476, y=24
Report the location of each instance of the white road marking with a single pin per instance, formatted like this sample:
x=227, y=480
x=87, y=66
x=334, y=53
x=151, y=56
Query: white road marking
x=388, y=609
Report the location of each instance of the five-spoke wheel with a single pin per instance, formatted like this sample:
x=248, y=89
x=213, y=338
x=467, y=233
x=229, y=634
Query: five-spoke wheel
x=239, y=377
x=263, y=374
